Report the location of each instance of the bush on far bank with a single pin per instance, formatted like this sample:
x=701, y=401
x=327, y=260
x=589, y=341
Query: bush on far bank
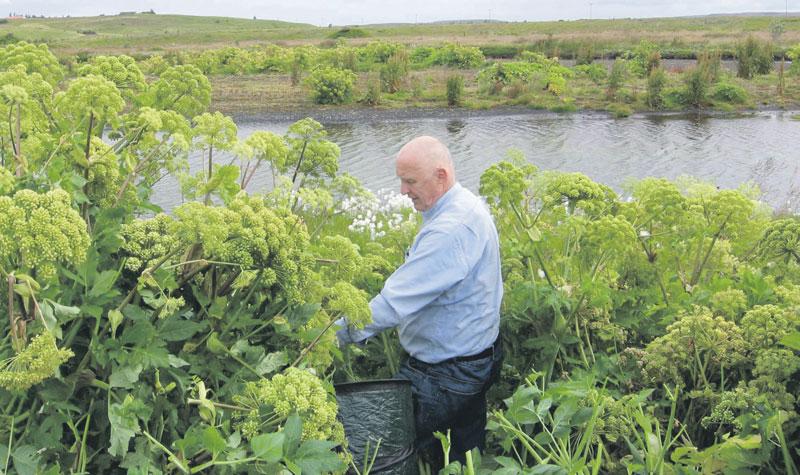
x=331, y=86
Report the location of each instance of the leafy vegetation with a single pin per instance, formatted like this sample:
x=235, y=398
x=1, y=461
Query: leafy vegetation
x=331, y=85
x=655, y=331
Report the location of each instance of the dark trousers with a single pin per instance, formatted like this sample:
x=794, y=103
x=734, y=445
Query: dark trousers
x=451, y=395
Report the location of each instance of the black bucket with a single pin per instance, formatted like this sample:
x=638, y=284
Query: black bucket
x=379, y=410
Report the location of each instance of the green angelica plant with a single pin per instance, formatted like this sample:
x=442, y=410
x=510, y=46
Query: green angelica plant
x=331, y=85
x=121, y=70
x=213, y=132
x=259, y=148
x=35, y=58
x=549, y=428
x=38, y=361
x=184, y=89
x=271, y=401
x=39, y=231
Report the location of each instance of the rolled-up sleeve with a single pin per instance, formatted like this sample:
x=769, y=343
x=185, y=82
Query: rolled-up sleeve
x=437, y=264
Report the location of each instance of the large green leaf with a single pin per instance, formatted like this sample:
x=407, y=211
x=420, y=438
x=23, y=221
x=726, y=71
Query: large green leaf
x=269, y=447
x=317, y=457
x=125, y=376
x=271, y=363
x=213, y=441
x=124, y=419
x=292, y=431
x=26, y=460
x=179, y=329
x=103, y=284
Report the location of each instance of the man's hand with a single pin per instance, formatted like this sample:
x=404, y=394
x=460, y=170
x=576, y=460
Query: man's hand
x=342, y=334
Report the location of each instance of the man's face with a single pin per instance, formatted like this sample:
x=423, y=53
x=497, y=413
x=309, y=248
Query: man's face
x=420, y=182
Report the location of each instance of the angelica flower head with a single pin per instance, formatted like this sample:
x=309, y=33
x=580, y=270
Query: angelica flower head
x=345, y=299
x=39, y=231
x=294, y=390
x=37, y=362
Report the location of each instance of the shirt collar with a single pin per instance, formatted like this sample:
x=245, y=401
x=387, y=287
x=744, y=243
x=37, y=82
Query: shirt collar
x=441, y=203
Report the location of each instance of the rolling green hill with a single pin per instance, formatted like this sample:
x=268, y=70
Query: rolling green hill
x=147, y=32
x=144, y=33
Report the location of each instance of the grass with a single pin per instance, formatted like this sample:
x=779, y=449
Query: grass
x=146, y=33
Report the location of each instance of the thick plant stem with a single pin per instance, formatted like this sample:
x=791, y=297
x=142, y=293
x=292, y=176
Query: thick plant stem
x=197, y=402
x=170, y=455
x=313, y=344
x=699, y=269
x=207, y=198
x=18, y=144
x=11, y=281
x=299, y=162
x=212, y=463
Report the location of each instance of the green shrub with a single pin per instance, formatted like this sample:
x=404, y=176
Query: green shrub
x=644, y=58
x=617, y=78
x=794, y=55
x=585, y=54
x=497, y=75
x=381, y=51
x=500, y=51
x=709, y=61
x=422, y=55
x=340, y=57
x=506, y=73
x=457, y=56
x=726, y=92
x=331, y=85
x=655, y=88
x=417, y=86
x=516, y=89
x=755, y=57
x=556, y=83
x=373, y=95
x=596, y=72
x=695, y=88
x=673, y=98
x=455, y=90
x=394, y=71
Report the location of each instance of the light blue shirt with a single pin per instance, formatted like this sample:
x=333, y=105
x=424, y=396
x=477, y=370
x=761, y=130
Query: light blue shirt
x=445, y=299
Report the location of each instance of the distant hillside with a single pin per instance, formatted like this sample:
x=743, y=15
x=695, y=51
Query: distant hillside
x=144, y=34
x=770, y=14
x=144, y=31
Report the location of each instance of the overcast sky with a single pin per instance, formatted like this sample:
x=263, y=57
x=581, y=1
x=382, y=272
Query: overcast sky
x=345, y=12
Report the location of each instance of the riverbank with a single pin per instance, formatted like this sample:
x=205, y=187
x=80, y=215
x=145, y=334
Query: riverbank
x=370, y=114
x=424, y=92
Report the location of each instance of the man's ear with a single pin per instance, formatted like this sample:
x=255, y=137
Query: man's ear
x=441, y=173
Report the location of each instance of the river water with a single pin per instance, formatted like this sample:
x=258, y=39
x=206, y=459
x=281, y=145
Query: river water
x=762, y=147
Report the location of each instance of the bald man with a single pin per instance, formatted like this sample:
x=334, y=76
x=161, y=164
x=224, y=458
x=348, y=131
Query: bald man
x=445, y=302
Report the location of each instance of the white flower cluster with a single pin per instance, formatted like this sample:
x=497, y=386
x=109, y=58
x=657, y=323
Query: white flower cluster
x=378, y=213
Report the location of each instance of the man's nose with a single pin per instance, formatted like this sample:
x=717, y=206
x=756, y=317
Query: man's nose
x=403, y=189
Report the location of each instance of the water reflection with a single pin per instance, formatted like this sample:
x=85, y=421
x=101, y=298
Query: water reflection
x=760, y=147
x=454, y=127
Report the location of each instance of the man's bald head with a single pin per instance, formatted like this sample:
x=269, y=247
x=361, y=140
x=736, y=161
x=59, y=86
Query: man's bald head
x=426, y=171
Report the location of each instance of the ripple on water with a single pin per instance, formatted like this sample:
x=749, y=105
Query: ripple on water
x=761, y=148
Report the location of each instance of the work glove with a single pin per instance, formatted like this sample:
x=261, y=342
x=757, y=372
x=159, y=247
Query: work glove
x=343, y=335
